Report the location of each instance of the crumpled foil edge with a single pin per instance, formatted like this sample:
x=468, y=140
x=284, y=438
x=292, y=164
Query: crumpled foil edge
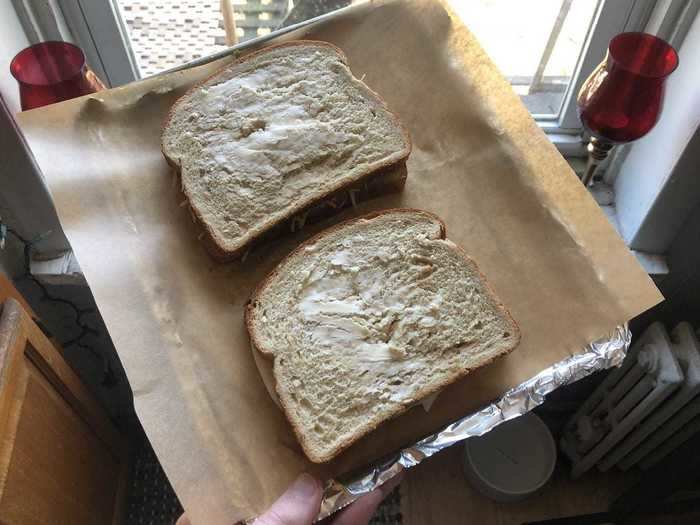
x=599, y=355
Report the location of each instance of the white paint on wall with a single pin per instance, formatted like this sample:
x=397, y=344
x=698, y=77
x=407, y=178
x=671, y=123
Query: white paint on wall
x=12, y=40
x=25, y=204
x=659, y=158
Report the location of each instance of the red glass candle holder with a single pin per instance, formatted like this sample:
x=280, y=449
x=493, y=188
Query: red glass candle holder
x=622, y=99
x=51, y=72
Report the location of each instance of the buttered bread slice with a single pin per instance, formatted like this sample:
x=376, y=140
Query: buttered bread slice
x=367, y=318
x=281, y=135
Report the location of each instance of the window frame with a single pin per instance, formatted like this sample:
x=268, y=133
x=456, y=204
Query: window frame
x=669, y=19
x=611, y=18
x=654, y=183
x=97, y=27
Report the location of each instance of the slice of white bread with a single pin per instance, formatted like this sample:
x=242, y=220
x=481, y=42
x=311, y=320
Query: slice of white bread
x=272, y=135
x=367, y=318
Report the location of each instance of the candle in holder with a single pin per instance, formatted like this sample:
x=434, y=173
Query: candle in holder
x=622, y=99
x=51, y=72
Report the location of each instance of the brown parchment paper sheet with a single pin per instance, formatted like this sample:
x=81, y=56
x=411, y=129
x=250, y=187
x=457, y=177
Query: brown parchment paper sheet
x=479, y=161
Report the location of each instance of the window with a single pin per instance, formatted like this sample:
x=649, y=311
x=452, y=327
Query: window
x=163, y=35
x=545, y=48
x=539, y=56
x=565, y=40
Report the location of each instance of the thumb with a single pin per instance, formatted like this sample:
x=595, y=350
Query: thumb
x=299, y=505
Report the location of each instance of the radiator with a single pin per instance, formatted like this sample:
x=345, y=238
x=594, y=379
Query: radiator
x=644, y=409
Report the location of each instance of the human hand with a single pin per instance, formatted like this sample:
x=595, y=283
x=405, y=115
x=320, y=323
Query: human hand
x=300, y=504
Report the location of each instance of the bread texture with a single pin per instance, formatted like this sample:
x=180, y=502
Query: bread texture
x=277, y=134
x=369, y=317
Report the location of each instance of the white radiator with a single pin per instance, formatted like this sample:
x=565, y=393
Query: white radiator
x=642, y=410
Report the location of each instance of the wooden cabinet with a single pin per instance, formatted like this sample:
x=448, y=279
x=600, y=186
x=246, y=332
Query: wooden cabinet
x=62, y=461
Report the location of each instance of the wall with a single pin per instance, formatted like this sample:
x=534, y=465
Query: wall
x=657, y=186
x=681, y=287
x=25, y=204
x=12, y=40
x=11, y=259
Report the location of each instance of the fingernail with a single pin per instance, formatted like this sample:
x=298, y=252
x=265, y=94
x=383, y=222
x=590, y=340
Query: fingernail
x=305, y=486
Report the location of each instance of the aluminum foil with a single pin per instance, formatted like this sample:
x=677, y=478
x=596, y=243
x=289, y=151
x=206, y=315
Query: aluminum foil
x=599, y=355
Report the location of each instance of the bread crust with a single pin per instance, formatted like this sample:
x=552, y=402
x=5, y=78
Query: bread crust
x=217, y=251
x=269, y=353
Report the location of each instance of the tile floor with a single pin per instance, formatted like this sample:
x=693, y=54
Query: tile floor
x=151, y=500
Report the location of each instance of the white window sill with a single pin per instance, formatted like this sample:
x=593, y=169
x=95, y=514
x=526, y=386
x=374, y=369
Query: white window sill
x=573, y=149
x=61, y=270
x=570, y=146
x=654, y=265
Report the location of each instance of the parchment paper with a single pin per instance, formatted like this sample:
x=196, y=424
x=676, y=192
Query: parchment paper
x=479, y=161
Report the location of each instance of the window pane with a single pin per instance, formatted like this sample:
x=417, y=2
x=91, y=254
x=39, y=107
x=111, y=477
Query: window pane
x=536, y=44
x=166, y=33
